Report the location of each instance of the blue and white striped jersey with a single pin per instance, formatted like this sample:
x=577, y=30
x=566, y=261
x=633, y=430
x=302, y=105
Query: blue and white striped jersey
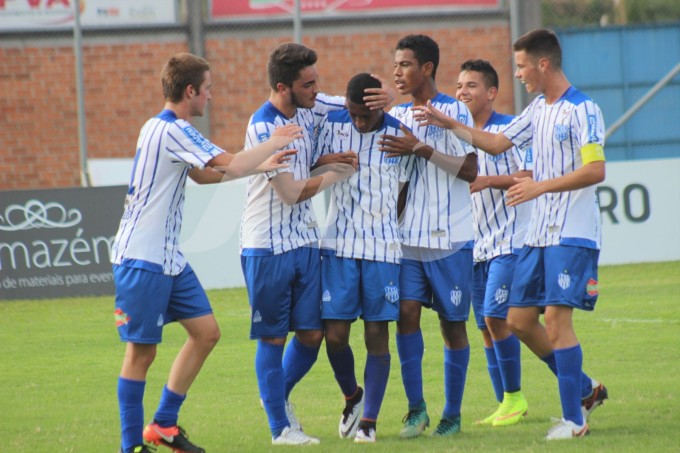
x=556, y=134
x=499, y=229
x=148, y=236
x=438, y=214
x=362, y=219
x=268, y=225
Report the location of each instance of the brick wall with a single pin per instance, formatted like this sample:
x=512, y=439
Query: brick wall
x=39, y=136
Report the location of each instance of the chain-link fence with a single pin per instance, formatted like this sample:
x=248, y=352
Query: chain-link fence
x=125, y=42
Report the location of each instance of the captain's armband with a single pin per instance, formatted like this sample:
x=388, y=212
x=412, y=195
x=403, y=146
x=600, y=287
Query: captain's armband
x=592, y=152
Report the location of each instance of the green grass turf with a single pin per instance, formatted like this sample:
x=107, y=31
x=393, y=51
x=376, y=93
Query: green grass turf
x=59, y=362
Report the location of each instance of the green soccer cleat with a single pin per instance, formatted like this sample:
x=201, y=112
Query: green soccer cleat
x=512, y=410
x=447, y=427
x=489, y=420
x=415, y=423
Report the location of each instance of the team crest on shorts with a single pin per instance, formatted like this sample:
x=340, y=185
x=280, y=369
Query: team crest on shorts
x=392, y=293
x=456, y=296
x=120, y=317
x=591, y=287
x=564, y=280
x=561, y=132
x=502, y=295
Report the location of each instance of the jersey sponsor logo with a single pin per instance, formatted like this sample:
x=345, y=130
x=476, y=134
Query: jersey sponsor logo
x=159, y=321
x=564, y=280
x=326, y=297
x=493, y=158
x=391, y=160
x=263, y=137
x=591, y=287
x=456, y=296
x=120, y=317
x=528, y=155
x=502, y=295
x=198, y=139
x=561, y=132
x=592, y=129
x=257, y=317
x=435, y=133
x=392, y=293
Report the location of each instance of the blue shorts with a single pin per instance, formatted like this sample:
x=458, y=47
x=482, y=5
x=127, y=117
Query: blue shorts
x=146, y=301
x=355, y=288
x=555, y=275
x=491, y=288
x=445, y=284
x=284, y=291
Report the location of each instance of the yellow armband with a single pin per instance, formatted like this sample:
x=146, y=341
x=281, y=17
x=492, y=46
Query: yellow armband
x=592, y=152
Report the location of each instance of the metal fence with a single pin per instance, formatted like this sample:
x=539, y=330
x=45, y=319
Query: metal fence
x=75, y=95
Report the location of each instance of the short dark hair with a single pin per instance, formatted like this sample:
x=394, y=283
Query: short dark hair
x=180, y=71
x=489, y=74
x=424, y=49
x=357, y=85
x=286, y=62
x=541, y=43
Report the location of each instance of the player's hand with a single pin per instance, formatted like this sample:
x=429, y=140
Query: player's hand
x=346, y=157
x=480, y=183
x=379, y=98
x=277, y=161
x=399, y=146
x=526, y=189
x=285, y=135
x=429, y=115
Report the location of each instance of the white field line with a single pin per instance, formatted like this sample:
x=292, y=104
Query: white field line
x=641, y=321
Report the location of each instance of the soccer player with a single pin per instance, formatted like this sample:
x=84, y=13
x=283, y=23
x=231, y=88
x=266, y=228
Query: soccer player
x=499, y=234
x=436, y=271
x=360, y=252
x=154, y=283
x=557, y=269
x=279, y=237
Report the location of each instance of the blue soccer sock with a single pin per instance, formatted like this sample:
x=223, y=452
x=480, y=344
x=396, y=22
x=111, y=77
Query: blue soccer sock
x=586, y=382
x=269, y=371
x=376, y=375
x=569, y=363
x=411, y=349
x=168, y=408
x=455, y=371
x=494, y=373
x=508, y=353
x=343, y=366
x=297, y=361
x=131, y=407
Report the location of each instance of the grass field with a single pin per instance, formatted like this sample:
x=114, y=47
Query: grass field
x=59, y=362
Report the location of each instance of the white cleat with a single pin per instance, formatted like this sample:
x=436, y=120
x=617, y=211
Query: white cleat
x=349, y=420
x=566, y=429
x=290, y=436
x=365, y=435
x=292, y=419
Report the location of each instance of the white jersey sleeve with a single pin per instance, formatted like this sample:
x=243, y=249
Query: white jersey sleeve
x=557, y=132
x=438, y=213
x=148, y=235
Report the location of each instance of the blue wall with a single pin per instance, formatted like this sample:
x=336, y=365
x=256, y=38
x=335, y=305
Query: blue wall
x=616, y=66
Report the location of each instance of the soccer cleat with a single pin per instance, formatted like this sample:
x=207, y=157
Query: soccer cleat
x=513, y=408
x=489, y=420
x=292, y=419
x=447, y=427
x=566, y=429
x=291, y=436
x=349, y=420
x=365, y=433
x=139, y=449
x=595, y=400
x=415, y=423
x=173, y=437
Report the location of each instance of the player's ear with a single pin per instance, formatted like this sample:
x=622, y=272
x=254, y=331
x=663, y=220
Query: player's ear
x=428, y=67
x=281, y=88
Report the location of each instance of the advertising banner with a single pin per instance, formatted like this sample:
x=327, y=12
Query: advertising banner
x=59, y=14
x=57, y=243
x=239, y=8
